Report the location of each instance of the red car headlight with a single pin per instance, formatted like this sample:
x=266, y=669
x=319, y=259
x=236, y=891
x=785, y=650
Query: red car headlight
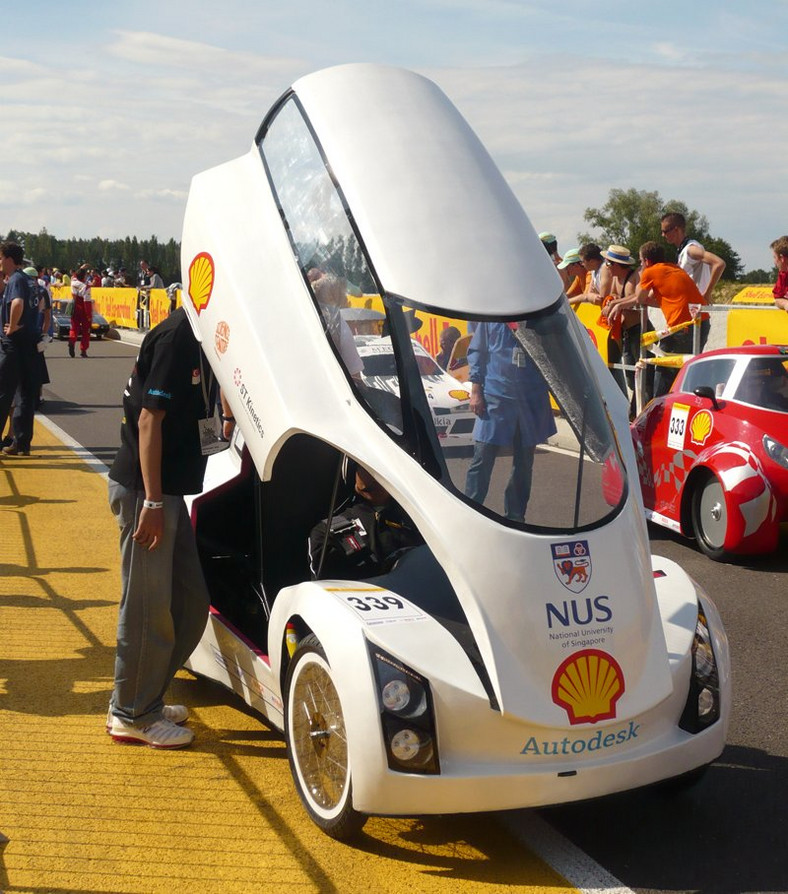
x=776, y=451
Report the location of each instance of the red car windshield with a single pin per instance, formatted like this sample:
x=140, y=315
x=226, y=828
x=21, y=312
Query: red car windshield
x=765, y=384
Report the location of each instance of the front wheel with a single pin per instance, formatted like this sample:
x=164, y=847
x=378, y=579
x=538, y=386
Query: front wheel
x=317, y=742
x=710, y=518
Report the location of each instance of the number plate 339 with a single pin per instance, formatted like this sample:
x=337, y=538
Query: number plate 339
x=376, y=606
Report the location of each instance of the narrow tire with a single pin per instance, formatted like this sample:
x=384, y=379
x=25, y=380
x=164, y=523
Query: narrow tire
x=317, y=743
x=710, y=518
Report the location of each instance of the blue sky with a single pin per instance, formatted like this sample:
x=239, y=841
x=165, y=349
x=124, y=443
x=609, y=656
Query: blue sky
x=109, y=108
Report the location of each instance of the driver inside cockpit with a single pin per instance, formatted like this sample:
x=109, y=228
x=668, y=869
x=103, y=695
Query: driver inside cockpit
x=365, y=537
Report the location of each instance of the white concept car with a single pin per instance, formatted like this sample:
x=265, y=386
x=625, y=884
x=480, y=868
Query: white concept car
x=521, y=646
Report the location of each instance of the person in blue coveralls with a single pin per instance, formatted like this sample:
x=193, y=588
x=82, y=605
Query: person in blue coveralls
x=512, y=406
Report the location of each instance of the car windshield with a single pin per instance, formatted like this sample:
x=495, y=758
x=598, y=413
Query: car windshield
x=533, y=446
x=539, y=447
x=713, y=373
x=764, y=384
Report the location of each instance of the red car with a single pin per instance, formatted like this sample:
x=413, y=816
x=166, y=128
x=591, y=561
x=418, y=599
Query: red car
x=713, y=453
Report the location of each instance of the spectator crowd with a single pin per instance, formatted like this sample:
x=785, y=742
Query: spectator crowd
x=27, y=325
x=624, y=285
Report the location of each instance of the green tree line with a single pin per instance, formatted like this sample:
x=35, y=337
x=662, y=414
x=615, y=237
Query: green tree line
x=43, y=249
x=631, y=217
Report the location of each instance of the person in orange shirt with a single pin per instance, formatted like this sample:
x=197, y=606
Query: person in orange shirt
x=672, y=290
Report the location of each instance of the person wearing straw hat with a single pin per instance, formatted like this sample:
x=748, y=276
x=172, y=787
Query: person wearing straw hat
x=626, y=278
x=622, y=268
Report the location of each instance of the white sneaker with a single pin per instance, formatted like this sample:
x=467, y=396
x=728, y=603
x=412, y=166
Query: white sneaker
x=174, y=713
x=159, y=734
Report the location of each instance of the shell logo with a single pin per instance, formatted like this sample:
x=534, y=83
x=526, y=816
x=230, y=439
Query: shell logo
x=700, y=427
x=588, y=685
x=459, y=394
x=201, y=278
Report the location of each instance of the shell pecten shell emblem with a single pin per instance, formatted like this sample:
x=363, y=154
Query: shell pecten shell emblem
x=587, y=686
x=701, y=426
x=202, y=273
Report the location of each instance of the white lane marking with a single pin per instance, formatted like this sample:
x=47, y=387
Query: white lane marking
x=558, y=852
x=82, y=452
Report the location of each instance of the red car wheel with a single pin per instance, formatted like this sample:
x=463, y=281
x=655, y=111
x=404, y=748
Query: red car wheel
x=710, y=518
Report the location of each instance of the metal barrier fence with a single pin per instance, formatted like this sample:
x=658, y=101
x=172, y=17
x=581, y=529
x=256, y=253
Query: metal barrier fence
x=650, y=340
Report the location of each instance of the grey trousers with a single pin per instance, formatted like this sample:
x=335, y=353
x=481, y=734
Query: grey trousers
x=163, y=606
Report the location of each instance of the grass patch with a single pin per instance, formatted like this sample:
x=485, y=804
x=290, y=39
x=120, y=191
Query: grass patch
x=725, y=291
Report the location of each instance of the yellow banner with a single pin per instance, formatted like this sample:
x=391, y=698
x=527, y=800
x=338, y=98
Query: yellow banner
x=120, y=306
x=754, y=295
x=589, y=314
x=756, y=327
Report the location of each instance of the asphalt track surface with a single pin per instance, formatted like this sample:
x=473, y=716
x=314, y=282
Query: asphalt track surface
x=83, y=814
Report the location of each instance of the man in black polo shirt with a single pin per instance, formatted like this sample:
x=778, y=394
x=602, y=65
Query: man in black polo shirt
x=18, y=338
x=164, y=602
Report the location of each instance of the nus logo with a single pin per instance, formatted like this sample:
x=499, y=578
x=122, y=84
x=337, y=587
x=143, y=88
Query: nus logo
x=579, y=612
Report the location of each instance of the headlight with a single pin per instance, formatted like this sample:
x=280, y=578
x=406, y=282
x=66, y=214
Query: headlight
x=407, y=718
x=411, y=748
x=396, y=696
x=776, y=451
x=703, y=701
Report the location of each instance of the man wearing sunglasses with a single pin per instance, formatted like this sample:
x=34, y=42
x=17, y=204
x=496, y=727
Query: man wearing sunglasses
x=703, y=267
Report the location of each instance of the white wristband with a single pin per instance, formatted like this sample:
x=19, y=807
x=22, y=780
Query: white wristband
x=152, y=504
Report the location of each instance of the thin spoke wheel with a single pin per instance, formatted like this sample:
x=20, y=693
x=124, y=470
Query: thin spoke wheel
x=317, y=742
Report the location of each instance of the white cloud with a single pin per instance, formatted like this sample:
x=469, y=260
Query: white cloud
x=583, y=105
x=712, y=138
x=112, y=186
x=173, y=196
